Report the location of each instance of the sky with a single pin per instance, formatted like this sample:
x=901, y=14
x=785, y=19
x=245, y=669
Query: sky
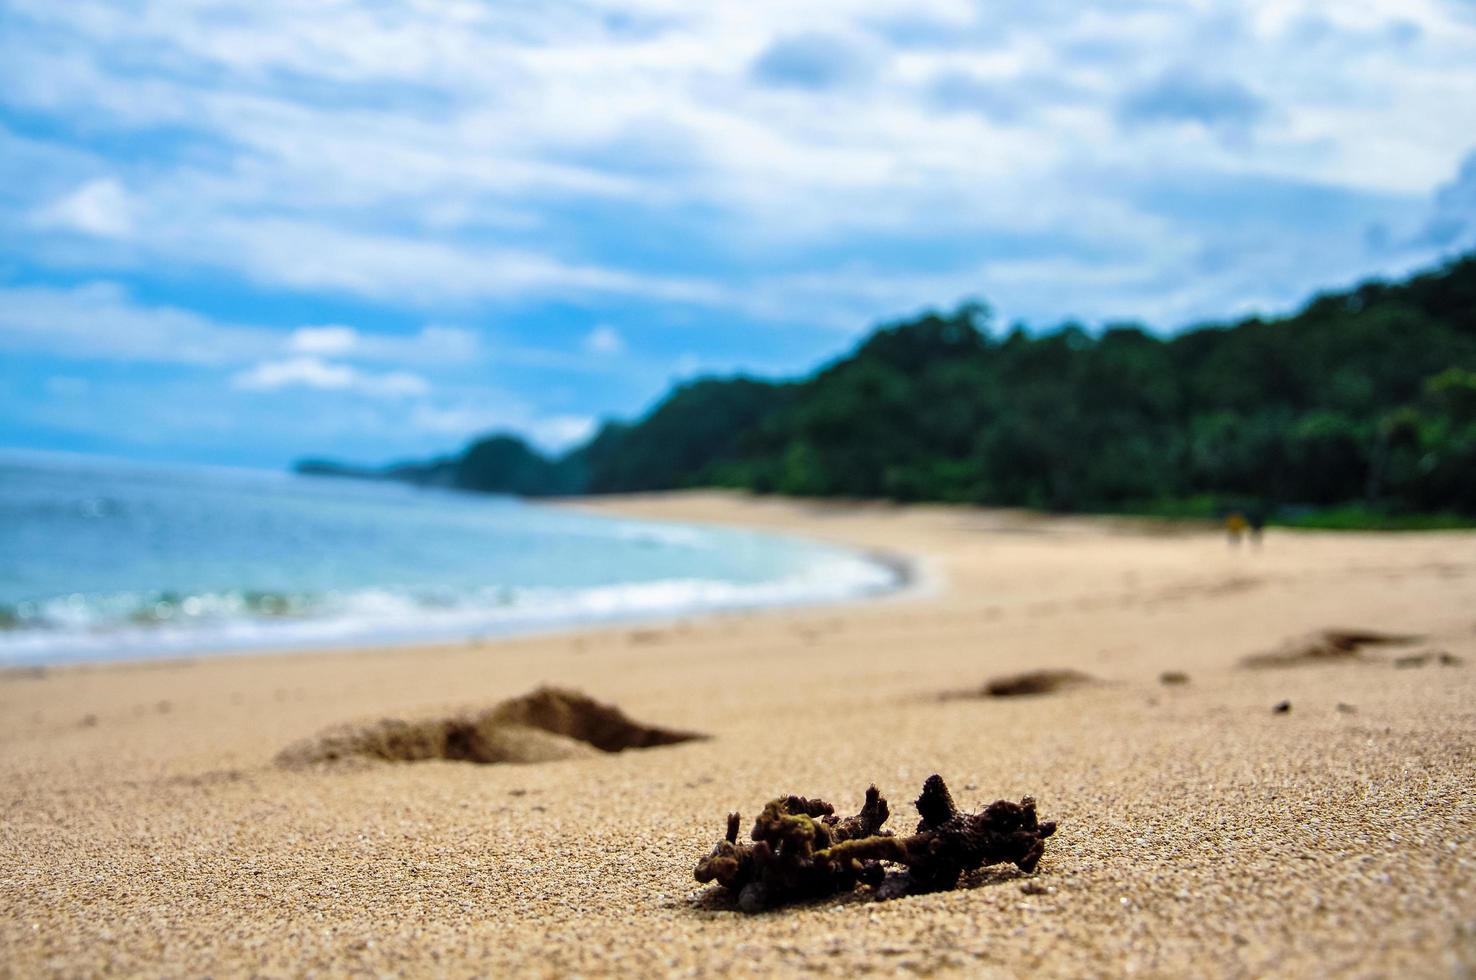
x=244, y=231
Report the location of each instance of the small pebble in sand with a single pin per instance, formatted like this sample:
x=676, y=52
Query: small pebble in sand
x=1283, y=708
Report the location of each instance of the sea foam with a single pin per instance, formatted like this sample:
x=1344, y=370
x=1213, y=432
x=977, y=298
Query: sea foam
x=120, y=562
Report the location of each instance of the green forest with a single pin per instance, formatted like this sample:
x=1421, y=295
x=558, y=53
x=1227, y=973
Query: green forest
x=1359, y=409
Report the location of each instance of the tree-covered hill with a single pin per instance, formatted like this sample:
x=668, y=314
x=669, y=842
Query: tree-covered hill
x=1366, y=396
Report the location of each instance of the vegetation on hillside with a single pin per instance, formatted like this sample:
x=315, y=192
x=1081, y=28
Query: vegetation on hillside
x=1361, y=404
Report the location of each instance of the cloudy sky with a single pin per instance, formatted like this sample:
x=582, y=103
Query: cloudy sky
x=243, y=230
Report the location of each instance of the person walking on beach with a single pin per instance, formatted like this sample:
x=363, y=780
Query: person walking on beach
x=1235, y=525
x=1256, y=521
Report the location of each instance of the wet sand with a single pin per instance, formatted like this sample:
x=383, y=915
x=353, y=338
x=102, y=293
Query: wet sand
x=149, y=828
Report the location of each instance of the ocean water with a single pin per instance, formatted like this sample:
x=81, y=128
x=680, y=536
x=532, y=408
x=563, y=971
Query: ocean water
x=104, y=560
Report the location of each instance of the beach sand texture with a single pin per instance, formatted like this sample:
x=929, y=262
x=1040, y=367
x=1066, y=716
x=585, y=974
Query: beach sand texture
x=149, y=829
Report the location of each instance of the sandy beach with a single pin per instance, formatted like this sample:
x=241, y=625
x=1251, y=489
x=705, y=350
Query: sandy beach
x=151, y=830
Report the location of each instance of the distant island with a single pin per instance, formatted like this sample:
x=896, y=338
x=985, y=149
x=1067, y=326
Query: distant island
x=1358, y=410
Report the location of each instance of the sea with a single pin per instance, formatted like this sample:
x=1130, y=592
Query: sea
x=106, y=560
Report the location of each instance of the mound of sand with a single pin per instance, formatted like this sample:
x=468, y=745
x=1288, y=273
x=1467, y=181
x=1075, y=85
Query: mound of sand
x=547, y=725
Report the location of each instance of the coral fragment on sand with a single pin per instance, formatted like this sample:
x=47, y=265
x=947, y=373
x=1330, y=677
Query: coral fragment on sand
x=801, y=850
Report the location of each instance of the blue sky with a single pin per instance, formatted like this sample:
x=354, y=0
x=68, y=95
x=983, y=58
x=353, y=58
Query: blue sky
x=240, y=231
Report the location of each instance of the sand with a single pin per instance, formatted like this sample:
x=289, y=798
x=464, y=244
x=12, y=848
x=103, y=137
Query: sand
x=149, y=828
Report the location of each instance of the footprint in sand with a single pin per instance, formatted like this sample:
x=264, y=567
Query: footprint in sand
x=1031, y=682
x=1036, y=682
x=1326, y=646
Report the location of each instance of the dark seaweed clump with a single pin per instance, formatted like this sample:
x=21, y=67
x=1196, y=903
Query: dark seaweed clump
x=802, y=850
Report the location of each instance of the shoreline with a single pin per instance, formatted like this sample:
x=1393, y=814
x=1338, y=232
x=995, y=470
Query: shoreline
x=904, y=570
x=150, y=831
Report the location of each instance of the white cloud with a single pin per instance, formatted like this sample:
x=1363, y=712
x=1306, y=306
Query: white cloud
x=432, y=344
x=100, y=321
x=99, y=207
x=442, y=344
x=1453, y=219
x=375, y=149
x=604, y=340
x=393, y=384
x=686, y=366
x=457, y=421
x=330, y=339
x=559, y=432
x=313, y=372
x=468, y=160
x=501, y=412
x=404, y=269
x=305, y=372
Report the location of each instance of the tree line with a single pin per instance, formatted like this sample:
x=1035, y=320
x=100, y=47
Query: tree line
x=1363, y=398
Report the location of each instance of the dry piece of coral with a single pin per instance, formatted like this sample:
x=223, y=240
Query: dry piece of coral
x=801, y=850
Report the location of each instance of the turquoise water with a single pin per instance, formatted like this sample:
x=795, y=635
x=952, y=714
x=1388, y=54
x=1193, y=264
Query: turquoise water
x=104, y=560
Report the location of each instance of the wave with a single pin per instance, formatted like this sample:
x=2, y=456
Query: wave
x=140, y=625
